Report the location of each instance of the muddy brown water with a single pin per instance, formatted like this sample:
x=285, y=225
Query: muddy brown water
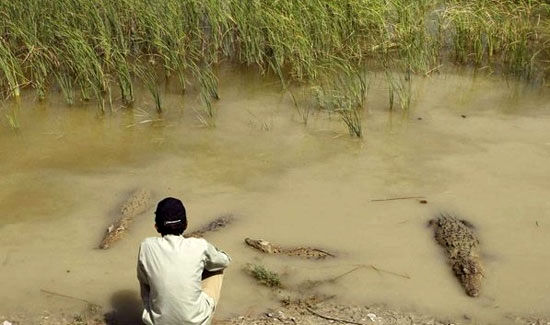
x=66, y=172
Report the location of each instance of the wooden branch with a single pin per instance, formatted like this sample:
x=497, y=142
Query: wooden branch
x=333, y=319
x=324, y=252
x=432, y=70
x=398, y=198
x=346, y=273
x=66, y=296
x=390, y=272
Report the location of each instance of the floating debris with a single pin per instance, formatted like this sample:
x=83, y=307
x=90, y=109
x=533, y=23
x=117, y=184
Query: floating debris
x=334, y=319
x=138, y=203
x=215, y=225
x=398, y=198
x=89, y=305
x=461, y=244
x=269, y=248
x=310, y=284
x=380, y=270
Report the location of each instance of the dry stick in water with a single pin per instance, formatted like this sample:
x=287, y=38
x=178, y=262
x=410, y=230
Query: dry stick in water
x=312, y=284
x=333, y=318
x=427, y=73
x=346, y=273
x=399, y=198
x=406, y=276
x=372, y=267
x=324, y=252
x=136, y=204
x=67, y=296
x=333, y=279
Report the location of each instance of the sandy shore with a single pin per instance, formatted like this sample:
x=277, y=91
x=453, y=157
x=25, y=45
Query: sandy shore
x=312, y=310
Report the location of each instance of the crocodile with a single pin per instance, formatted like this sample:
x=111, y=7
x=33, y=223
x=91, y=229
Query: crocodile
x=136, y=204
x=460, y=242
x=270, y=248
x=214, y=225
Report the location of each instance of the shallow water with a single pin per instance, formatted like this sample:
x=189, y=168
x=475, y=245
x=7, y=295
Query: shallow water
x=68, y=169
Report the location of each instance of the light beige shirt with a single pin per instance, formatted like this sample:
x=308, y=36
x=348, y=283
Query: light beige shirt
x=169, y=272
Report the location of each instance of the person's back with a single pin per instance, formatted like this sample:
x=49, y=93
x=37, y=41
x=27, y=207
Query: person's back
x=170, y=270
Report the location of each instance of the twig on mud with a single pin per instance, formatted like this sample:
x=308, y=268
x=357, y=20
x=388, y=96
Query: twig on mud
x=332, y=318
x=399, y=198
x=406, y=276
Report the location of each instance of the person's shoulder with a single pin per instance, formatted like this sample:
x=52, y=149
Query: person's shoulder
x=197, y=242
x=147, y=242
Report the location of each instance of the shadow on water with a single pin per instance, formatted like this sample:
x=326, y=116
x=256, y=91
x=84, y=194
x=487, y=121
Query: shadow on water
x=126, y=308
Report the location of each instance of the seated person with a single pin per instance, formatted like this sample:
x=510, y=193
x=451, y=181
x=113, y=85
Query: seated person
x=180, y=278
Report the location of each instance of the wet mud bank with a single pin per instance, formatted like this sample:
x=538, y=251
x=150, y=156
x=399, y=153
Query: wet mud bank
x=311, y=310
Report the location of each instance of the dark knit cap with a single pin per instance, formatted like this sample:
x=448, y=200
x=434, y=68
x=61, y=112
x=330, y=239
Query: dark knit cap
x=170, y=214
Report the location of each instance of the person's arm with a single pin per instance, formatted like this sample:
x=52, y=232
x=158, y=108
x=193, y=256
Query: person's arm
x=216, y=260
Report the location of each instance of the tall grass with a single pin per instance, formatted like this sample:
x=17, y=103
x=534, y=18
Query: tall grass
x=344, y=92
x=511, y=36
x=100, y=49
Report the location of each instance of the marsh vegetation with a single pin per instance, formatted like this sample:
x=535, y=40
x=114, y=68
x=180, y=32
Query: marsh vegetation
x=96, y=50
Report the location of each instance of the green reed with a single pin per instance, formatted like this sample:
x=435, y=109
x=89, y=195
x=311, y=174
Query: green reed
x=99, y=49
x=510, y=36
x=11, y=114
x=344, y=92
